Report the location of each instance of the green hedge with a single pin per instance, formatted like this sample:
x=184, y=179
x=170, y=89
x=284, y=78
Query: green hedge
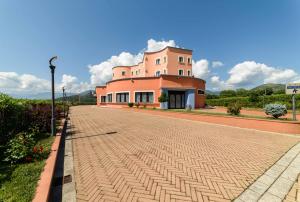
x=21, y=115
x=245, y=102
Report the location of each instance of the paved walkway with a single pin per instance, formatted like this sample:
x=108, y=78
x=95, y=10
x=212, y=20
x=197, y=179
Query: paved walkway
x=123, y=155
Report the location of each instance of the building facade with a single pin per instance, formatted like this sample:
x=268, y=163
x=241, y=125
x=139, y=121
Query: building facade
x=166, y=71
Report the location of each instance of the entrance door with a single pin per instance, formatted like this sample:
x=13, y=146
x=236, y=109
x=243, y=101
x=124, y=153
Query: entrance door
x=176, y=100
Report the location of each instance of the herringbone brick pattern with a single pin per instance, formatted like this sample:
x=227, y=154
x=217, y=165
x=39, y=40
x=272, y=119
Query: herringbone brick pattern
x=154, y=158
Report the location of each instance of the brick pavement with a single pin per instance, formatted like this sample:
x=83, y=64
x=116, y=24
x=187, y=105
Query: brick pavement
x=154, y=158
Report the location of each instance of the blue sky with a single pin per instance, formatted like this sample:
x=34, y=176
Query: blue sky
x=252, y=38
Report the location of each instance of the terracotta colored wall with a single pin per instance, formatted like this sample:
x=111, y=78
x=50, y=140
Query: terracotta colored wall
x=117, y=72
x=174, y=65
x=150, y=62
x=100, y=91
x=151, y=84
x=183, y=83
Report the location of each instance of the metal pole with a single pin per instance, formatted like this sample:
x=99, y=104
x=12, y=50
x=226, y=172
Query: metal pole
x=294, y=108
x=53, y=123
x=63, y=89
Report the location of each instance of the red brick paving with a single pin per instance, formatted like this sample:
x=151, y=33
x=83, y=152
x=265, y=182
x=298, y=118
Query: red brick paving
x=155, y=158
x=264, y=125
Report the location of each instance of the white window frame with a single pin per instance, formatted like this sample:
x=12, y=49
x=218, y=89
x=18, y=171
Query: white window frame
x=123, y=72
x=202, y=90
x=189, y=62
x=165, y=71
x=112, y=97
x=182, y=72
x=165, y=59
x=156, y=73
x=189, y=72
x=145, y=91
x=157, y=59
x=182, y=59
x=122, y=92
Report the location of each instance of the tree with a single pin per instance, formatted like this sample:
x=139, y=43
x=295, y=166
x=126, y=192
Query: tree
x=241, y=92
x=227, y=93
x=254, y=96
x=163, y=97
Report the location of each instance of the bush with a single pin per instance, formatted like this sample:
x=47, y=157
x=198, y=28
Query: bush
x=245, y=102
x=20, y=147
x=188, y=108
x=254, y=96
x=137, y=105
x=130, y=104
x=276, y=110
x=163, y=97
x=144, y=106
x=234, y=108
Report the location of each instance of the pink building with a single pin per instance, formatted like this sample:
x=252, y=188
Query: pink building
x=166, y=71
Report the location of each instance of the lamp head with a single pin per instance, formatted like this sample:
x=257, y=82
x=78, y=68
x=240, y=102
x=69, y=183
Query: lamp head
x=52, y=67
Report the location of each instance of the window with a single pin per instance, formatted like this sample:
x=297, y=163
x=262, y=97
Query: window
x=103, y=98
x=180, y=59
x=131, y=73
x=157, y=73
x=136, y=72
x=109, y=97
x=180, y=72
x=113, y=74
x=144, y=97
x=157, y=61
x=165, y=59
x=123, y=73
x=201, y=92
x=165, y=71
x=189, y=73
x=122, y=97
x=189, y=61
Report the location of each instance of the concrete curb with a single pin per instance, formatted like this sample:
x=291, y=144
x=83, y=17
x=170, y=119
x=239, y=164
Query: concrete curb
x=276, y=182
x=69, y=190
x=43, y=189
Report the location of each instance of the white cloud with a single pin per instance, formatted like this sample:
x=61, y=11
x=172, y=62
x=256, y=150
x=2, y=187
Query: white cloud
x=71, y=84
x=216, y=64
x=201, y=68
x=158, y=45
x=13, y=82
x=250, y=73
x=218, y=84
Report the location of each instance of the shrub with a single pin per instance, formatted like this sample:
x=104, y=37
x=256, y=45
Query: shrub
x=234, y=108
x=254, y=96
x=276, y=110
x=163, y=97
x=153, y=107
x=20, y=147
x=137, y=105
x=144, y=106
x=130, y=104
x=188, y=108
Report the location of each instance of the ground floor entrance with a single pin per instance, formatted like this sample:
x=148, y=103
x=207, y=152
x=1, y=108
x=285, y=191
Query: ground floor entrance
x=176, y=99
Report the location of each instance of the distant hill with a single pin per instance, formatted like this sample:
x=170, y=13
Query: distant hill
x=86, y=97
x=210, y=92
x=275, y=87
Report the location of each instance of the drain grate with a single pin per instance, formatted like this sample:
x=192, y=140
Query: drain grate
x=58, y=181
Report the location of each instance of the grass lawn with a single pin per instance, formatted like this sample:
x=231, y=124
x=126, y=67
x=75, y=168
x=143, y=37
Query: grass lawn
x=195, y=112
x=18, y=183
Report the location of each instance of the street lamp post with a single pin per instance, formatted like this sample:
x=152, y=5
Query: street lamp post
x=52, y=68
x=63, y=89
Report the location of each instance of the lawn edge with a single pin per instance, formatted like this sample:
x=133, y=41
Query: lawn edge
x=43, y=188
